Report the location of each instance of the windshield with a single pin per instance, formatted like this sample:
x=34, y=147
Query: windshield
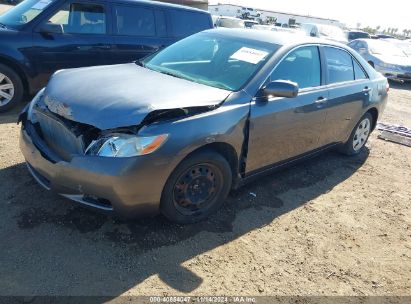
x=214, y=60
x=385, y=49
x=231, y=23
x=23, y=13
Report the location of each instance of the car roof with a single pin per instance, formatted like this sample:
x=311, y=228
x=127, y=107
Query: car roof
x=161, y=5
x=273, y=37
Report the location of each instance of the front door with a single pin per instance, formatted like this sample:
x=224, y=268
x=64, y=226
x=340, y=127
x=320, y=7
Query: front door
x=283, y=128
x=83, y=40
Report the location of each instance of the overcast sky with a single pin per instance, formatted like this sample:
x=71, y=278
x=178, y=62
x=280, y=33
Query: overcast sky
x=395, y=13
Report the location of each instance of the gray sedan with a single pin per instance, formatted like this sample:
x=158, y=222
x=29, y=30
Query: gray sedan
x=175, y=132
x=386, y=57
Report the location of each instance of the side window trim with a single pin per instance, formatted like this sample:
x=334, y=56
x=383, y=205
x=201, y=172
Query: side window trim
x=57, y=7
x=308, y=89
x=361, y=67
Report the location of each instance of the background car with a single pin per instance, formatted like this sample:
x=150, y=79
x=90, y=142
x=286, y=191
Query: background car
x=405, y=46
x=230, y=22
x=352, y=35
x=175, y=132
x=385, y=57
x=384, y=36
x=38, y=37
x=250, y=23
x=324, y=31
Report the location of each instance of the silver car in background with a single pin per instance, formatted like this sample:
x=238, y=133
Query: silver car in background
x=324, y=31
x=230, y=22
x=385, y=57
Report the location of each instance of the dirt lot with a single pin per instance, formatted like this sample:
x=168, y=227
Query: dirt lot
x=331, y=226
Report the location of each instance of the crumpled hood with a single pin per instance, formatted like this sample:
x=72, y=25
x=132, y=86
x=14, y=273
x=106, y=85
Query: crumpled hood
x=403, y=61
x=122, y=95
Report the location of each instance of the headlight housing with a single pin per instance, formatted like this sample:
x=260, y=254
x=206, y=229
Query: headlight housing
x=125, y=145
x=30, y=114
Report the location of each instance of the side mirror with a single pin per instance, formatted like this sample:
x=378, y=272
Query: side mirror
x=281, y=88
x=312, y=34
x=50, y=28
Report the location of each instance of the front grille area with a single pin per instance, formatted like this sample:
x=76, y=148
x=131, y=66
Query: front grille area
x=59, y=137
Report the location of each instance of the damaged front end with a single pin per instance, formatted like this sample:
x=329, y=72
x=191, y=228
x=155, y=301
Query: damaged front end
x=66, y=137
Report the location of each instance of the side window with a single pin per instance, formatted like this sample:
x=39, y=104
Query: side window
x=81, y=18
x=339, y=65
x=186, y=23
x=135, y=21
x=358, y=71
x=302, y=66
x=161, y=24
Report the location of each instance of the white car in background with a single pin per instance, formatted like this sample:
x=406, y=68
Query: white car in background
x=324, y=31
x=274, y=28
x=404, y=45
x=385, y=57
x=230, y=22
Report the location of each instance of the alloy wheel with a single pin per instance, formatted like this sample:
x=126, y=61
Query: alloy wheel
x=361, y=134
x=6, y=90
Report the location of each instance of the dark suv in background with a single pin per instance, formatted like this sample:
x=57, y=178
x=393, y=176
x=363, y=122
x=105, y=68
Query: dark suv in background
x=39, y=37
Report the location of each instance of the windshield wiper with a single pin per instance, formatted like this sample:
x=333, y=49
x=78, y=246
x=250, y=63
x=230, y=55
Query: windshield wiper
x=3, y=25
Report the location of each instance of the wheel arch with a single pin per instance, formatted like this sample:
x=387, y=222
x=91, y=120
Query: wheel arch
x=18, y=69
x=225, y=150
x=374, y=114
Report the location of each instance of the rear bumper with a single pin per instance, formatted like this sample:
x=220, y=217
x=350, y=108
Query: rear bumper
x=129, y=187
x=395, y=74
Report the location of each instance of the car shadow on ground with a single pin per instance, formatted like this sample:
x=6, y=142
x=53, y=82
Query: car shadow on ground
x=11, y=116
x=142, y=248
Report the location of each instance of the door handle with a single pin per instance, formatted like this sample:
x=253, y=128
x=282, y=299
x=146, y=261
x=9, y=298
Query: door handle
x=366, y=90
x=321, y=100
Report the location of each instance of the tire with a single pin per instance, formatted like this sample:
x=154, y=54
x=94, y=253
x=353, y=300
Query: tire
x=9, y=77
x=359, y=136
x=197, y=188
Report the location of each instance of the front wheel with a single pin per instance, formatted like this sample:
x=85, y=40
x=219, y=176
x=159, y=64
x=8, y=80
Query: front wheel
x=359, y=136
x=197, y=188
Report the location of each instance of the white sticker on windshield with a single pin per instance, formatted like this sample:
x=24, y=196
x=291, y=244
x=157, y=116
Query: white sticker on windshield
x=249, y=55
x=41, y=4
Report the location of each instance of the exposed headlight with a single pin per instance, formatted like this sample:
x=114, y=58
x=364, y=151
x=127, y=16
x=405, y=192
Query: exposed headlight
x=30, y=114
x=390, y=66
x=125, y=145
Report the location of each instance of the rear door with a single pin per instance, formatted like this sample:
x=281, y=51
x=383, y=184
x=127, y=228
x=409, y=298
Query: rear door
x=283, y=128
x=349, y=92
x=139, y=30
x=183, y=23
x=84, y=40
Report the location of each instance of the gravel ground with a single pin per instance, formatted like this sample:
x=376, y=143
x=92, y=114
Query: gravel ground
x=330, y=226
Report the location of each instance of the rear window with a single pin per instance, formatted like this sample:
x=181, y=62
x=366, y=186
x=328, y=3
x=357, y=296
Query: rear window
x=135, y=21
x=186, y=23
x=356, y=35
x=339, y=65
